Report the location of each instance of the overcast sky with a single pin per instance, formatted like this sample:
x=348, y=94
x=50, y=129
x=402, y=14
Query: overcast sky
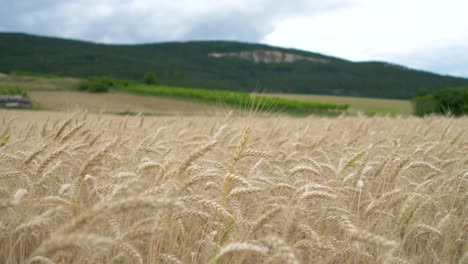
x=424, y=34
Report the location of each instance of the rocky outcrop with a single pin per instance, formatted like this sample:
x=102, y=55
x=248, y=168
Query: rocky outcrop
x=267, y=56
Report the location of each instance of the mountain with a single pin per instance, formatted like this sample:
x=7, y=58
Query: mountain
x=219, y=65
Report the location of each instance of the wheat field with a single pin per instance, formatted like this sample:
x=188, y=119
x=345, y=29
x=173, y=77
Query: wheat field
x=83, y=188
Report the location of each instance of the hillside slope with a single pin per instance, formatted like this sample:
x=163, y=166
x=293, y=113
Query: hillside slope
x=220, y=65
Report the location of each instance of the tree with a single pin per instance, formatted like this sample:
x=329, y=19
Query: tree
x=451, y=101
x=150, y=78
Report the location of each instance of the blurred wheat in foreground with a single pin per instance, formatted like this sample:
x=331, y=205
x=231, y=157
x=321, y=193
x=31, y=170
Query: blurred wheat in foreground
x=101, y=189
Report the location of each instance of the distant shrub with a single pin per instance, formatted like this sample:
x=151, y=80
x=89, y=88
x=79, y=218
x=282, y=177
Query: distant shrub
x=150, y=78
x=424, y=104
x=451, y=101
x=100, y=84
x=93, y=86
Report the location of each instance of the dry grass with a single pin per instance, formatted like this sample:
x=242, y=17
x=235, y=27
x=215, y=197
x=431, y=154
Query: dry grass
x=116, y=103
x=82, y=188
x=358, y=104
x=32, y=83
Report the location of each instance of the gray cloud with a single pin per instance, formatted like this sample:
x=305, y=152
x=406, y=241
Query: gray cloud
x=127, y=21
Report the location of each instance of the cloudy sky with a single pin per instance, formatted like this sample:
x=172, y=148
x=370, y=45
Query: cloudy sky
x=425, y=34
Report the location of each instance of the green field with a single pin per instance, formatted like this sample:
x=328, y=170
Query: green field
x=239, y=99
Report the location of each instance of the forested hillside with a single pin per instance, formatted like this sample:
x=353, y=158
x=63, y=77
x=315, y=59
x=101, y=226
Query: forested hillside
x=218, y=65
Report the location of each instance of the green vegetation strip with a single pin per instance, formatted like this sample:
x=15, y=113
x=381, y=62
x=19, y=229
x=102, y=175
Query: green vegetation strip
x=12, y=91
x=238, y=99
x=33, y=74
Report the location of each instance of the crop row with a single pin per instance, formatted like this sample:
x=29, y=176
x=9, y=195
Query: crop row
x=238, y=99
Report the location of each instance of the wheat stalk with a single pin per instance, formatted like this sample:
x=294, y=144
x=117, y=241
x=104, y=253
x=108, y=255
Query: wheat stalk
x=111, y=189
x=241, y=247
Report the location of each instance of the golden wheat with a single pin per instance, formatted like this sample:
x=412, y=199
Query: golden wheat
x=86, y=188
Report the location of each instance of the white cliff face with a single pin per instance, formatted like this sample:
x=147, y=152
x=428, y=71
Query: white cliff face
x=267, y=56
